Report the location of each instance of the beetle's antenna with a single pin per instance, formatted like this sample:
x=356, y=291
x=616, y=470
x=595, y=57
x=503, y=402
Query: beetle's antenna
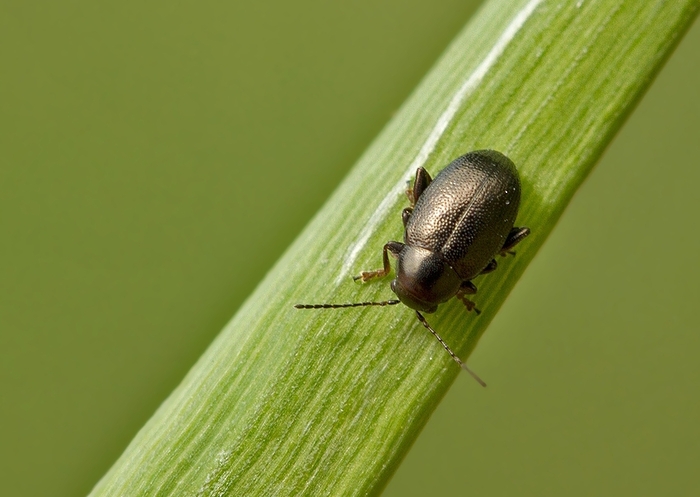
x=338, y=306
x=420, y=318
x=449, y=350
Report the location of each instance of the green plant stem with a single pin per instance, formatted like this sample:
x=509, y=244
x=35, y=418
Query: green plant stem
x=327, y=402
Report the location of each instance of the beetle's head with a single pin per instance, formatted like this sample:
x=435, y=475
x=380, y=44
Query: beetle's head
x=423, y=280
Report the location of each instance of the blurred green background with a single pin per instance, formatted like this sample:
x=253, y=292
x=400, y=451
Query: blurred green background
x=157, y=158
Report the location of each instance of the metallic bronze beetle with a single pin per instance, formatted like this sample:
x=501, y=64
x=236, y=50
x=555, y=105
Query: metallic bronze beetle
x=456, y=225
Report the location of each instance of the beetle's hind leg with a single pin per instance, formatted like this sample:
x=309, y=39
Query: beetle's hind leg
x=421, y=182
x=393, y=248
x=515, y=236
x=467, y=288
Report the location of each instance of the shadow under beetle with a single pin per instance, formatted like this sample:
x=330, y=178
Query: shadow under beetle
x=456, y=225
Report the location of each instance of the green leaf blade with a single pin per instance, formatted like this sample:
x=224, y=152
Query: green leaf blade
x=324, y=402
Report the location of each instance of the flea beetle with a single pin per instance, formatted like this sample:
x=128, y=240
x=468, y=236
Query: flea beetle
x=456, y=225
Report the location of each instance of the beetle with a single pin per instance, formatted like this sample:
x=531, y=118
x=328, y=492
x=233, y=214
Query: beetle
x=454, y=228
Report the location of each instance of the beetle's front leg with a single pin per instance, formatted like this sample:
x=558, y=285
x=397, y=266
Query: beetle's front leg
x=467, y=288
x=393, y=248
x=515, y=236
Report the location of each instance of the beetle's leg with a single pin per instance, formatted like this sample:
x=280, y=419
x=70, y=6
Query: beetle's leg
x=467, y=288
x=491, y=267
x=514, y=237
x=406, y=215
x=422, y=181
x=393, y=248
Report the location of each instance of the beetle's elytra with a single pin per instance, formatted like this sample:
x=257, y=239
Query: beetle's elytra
x=456, y=225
